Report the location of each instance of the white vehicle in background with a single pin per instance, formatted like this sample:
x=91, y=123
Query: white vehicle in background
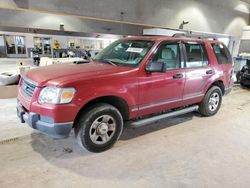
x=9, y=78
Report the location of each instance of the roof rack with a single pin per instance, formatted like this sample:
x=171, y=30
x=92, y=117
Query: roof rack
x=190, y=34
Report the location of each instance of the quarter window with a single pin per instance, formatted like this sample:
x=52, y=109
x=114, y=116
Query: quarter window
x=168, y=54
x=222, y=54
x=196, y=55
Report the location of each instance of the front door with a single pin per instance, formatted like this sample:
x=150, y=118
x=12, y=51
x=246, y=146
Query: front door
x=162, y=91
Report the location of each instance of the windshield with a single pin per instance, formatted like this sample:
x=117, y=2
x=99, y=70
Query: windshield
x=125, y=52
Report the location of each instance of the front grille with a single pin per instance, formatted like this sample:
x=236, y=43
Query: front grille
x=28, y=87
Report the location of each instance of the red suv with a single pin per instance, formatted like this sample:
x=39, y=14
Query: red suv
x=137, y=80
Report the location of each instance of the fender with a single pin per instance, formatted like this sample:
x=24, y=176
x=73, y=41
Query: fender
x=218, y=76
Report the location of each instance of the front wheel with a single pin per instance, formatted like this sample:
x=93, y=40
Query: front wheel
x=99, y=128
x=211, y=103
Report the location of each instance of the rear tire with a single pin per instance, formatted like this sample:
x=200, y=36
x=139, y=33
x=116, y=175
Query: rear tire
x=99, y=127
x=211, y=103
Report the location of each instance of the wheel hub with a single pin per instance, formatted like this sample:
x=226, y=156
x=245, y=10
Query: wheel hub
x=213, y=101
x=102, y=128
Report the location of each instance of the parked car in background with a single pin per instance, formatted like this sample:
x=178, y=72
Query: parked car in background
x=137, y=80
x=245, y=75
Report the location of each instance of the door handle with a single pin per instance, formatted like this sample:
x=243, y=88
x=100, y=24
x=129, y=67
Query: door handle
x=178, y=76
x=210, y=71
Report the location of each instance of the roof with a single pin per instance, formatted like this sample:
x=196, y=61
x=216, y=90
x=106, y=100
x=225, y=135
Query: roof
x=162, y=38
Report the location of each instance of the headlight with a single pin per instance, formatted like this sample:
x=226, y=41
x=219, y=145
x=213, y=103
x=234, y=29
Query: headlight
x=55, y=95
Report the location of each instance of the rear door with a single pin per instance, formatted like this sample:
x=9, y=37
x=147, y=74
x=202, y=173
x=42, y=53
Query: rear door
x=198, y=71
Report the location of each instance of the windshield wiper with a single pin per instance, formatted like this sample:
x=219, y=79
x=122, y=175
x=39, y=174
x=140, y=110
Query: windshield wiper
x=107, y=61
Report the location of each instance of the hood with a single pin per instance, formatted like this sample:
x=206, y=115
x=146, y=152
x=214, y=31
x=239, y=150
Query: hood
x=67, y=71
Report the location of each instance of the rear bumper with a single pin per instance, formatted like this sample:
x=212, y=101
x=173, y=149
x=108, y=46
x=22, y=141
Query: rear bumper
x=228, y=90
x=44, y=124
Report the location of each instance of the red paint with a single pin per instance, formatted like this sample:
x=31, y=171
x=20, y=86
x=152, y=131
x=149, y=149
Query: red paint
x=144, y=93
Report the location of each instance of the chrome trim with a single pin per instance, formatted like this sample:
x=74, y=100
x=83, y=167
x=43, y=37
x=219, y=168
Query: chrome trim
x=28, y=87
x=64, y=123
x=30, y=81
x=192, y=97
x=159, y=104
x=165, y=102
x=134, y=110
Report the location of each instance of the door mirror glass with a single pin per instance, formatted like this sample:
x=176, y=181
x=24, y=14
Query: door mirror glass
x=156, y=66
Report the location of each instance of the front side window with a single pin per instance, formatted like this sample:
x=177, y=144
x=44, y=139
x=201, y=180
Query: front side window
x=168, y=54
x=196, y=55
x=125, y=52
x=222, y=54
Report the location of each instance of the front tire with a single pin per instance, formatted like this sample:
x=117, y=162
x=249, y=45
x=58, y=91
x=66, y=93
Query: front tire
x=211, y=103
x=99, y=128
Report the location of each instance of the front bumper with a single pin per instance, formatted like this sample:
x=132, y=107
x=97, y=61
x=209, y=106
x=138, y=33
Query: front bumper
x=44, y=124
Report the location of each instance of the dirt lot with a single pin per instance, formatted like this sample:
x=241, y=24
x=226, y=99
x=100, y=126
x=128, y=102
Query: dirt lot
x=187, y=151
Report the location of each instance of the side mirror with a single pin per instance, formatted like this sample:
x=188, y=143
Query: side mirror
x=156, y=66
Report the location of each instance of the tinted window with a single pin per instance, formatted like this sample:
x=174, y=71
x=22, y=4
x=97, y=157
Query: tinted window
x=222, y=54
x=196, y=55
x=169, y=54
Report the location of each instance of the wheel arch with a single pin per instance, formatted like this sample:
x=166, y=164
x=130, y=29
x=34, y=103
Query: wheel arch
x=115, y=101
x=220, y=84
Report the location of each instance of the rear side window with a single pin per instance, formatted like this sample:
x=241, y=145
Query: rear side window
x=222, y=54
x=196, y=55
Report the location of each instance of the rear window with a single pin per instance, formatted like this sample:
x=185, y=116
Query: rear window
x=222, y=54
